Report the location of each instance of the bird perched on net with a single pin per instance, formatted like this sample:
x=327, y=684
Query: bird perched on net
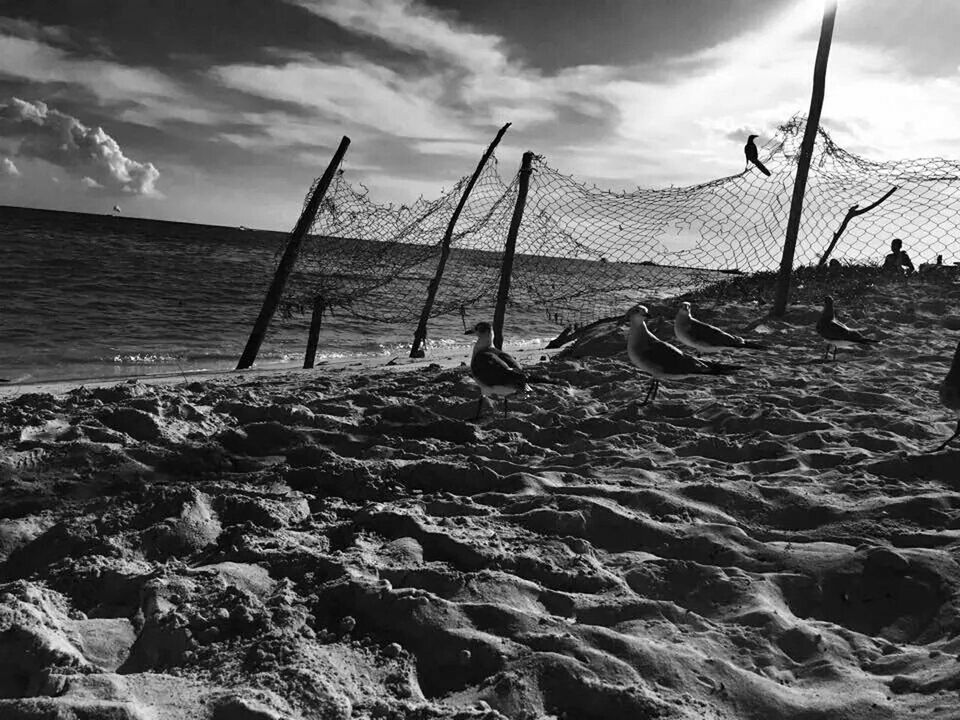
x=708, y=338
x=660, y=359
x=496, y=372
x=950, y=394
x=750, y=150
x=836, y=333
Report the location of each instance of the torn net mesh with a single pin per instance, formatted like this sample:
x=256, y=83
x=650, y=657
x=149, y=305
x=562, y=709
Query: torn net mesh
x=585, y=253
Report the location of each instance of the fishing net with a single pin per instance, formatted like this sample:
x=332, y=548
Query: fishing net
x=375, y=261
x=584, y=252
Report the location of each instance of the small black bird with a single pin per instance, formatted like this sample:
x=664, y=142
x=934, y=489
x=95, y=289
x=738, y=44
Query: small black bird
x=950, y=394
x=750, y=150
x=495, y=371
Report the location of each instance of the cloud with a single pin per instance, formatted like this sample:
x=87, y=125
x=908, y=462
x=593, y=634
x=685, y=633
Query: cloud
x=8, y=168
x=89, y=182
x=135, y=94
x=459, y=85
x=413, y=27
x=63, y=140
x=36, y=61
x=354, y=91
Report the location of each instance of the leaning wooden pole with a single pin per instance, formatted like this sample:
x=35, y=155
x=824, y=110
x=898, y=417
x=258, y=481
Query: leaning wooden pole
x=506, y=269
x=420, y=335
x=289, y=259
x=803, y=162
x=313, y=336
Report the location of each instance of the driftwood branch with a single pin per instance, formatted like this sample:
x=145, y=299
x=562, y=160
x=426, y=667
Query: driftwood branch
x=853, y=212
x=569, y=334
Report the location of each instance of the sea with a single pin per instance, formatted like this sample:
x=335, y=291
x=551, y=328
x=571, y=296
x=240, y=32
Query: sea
x=86, y=296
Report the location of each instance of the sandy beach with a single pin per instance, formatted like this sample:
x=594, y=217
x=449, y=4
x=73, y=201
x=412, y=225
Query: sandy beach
x=349, y=543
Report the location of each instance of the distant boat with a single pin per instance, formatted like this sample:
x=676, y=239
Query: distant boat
x=116, y=208
x=242, y=227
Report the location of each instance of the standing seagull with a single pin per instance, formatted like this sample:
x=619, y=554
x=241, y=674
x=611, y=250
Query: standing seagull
x=495, y=371
x=707, y=338
x=661, y=359
x=750, y=150
x=836, y=333
x=950, y=394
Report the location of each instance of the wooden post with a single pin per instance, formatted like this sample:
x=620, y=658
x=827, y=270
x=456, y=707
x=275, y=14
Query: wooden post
x=507, y=267
x=288, y=260
x=806, y=152
x=313, y=337
x=421, y=334
x=853, y=212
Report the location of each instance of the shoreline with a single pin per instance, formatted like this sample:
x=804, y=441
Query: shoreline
x=446, y=360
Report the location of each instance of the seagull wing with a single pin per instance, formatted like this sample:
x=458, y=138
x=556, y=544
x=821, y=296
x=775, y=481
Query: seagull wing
x=712, y=335
x=672, y=361
x=836, y=330
x=507, y=359
x=495, y=367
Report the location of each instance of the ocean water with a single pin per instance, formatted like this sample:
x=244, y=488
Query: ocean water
x=92, y=296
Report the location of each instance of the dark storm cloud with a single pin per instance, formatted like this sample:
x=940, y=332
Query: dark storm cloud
x=611, y=32
x=179, y=37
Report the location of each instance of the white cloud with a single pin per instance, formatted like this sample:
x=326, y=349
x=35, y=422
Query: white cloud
x=155, y=96
x=63, y=140
x=8, y=168
x=33, y=60
x=413, y=26
x=355, y=91
x=89, y=182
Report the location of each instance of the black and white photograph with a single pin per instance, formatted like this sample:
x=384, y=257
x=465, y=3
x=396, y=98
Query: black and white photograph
x=479, y=360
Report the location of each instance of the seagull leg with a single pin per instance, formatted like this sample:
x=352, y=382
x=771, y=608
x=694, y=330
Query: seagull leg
x=947, y=441
x=479, y=407
x=646, y=398
x=652, y=389
x=826, y=353
x=504, y=405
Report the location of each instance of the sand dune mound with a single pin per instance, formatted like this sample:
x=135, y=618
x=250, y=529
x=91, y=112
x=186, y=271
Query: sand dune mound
x=773, y=544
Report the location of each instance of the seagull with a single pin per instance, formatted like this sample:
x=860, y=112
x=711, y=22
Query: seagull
x=495, y=371
x=950, y=394
x=661, y=359
x=750, y=150
x=836, y=333
x=707, y=338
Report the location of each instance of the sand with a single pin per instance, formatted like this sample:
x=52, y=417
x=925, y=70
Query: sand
x=349, y=543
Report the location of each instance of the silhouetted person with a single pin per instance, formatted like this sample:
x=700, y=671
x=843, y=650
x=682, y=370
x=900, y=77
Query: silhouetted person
x=750, y=150
x=897, y=261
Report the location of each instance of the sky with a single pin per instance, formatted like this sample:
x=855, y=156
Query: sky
x=224, y=111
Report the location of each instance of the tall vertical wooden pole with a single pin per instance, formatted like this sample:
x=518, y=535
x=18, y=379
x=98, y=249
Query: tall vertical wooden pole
x=803, y=162
x=289, y=259
x=506, y=269
x=420, y=335
x=313, y=337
